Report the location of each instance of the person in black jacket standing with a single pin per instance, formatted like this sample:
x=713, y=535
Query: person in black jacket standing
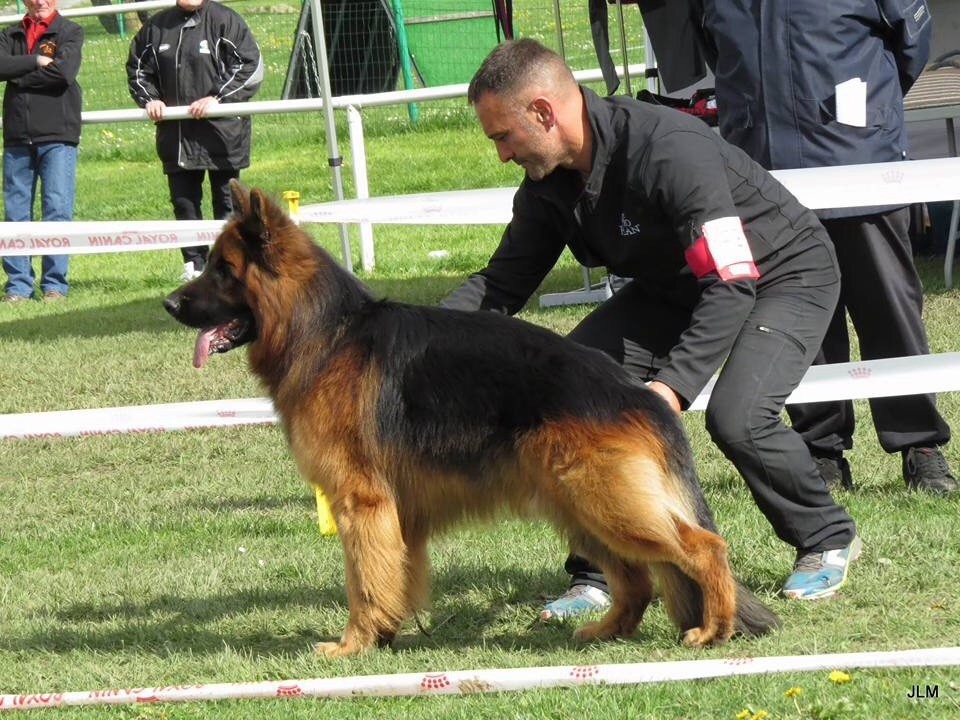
x=728, y=270
x=198, y=54
x=39, y=60
x=820, y=84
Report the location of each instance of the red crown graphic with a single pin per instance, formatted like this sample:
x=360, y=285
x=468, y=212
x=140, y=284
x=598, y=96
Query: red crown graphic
x=434, y=682
x=584, y=672
x=860, y=372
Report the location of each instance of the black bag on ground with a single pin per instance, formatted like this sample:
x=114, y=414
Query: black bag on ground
x=702, y=104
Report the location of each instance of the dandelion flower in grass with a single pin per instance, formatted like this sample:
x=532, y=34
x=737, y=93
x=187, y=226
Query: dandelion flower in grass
x=744, y=715
x=793, y=692
x=839, y=677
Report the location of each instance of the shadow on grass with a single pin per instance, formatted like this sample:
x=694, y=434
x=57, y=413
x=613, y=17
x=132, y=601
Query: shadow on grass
x=176, y=623
x=146, y=315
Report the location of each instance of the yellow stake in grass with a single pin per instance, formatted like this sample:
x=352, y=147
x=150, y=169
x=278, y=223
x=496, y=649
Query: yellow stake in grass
x=293, y=202
x=328, y=526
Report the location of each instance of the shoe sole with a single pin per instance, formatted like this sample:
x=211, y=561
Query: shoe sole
x=855, y=551
x=940, y=491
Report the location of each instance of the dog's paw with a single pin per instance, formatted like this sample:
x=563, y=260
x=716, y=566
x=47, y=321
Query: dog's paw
x=595, y=631
x=333, y=649
x=702, y=638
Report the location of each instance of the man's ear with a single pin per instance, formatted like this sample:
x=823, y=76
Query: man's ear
x=543, y=111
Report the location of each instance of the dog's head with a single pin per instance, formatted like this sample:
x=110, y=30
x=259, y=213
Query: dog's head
x=219, y=302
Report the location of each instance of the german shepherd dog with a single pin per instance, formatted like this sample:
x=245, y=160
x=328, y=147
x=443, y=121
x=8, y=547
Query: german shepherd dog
x=412, y=418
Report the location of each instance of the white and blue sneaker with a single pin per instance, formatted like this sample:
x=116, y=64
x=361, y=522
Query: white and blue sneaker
x=576, y=601
x=191, y=270
x=819, y=575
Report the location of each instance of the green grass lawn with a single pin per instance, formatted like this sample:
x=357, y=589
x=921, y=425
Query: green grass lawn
x=194, y=557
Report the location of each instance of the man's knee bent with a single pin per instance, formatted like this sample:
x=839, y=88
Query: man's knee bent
x=732, y=422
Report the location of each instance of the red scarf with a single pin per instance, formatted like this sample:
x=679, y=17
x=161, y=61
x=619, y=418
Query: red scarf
x=35, y=29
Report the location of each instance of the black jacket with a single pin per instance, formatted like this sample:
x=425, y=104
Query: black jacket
x=657, y=176
x=777, y=65
x=41, y=105
x=179, y=57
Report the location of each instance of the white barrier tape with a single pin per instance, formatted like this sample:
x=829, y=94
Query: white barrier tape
x=840, y=381
x=490, y=206
x=137, y=419
x=896, y=183
x=85, y=238
x=473, y=682
x=873, y=184
x=892, y=377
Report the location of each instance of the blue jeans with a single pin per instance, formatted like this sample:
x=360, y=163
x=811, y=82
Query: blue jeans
x=54, y=165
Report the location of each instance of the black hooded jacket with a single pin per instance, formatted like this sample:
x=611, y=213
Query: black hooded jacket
x=179, y=57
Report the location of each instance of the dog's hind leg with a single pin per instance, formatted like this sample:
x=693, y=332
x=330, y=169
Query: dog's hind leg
x=697, y=585
x=640, y=522
x=701, y=556
x=377, y=565
x=418, y=571
x=631, y=590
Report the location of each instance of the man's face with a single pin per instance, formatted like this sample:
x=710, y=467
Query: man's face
x=518, y=134
x=189, y=5
x=40, y=9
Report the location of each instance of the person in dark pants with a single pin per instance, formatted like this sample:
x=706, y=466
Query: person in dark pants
x=810, y=116
x=728, y=270
x=40, y=59
x=200, y=54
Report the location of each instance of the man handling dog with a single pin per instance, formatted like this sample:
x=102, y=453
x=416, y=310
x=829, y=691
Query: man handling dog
x=729, y=273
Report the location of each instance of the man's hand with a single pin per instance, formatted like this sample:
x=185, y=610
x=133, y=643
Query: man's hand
x=199, y=108
x=667, y=393
x=43, y=61
x=155, y=109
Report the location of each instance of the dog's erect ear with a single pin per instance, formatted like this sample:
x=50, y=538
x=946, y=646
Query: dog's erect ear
x=253, y=220
x=255, y=226
x=240, y=196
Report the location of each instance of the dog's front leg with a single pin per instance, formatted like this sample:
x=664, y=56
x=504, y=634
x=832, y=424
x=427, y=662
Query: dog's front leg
x=376, y=566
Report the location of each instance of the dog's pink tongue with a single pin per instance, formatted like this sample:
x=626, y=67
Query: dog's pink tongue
x=201, y=350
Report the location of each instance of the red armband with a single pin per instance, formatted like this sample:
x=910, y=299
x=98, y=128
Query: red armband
x=723, y=249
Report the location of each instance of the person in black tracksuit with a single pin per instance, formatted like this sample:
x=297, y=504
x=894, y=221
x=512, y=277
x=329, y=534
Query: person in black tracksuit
x=728, y=270
x=777, y=67
x=198, y=54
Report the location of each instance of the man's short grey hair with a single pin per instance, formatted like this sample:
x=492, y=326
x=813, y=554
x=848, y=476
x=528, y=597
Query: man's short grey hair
x=513, y=65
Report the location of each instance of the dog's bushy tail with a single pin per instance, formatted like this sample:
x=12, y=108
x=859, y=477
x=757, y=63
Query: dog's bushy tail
x=682, y=595
x=753, y=618
x=684, y=603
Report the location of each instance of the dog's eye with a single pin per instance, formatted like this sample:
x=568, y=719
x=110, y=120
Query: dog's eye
x=222, y=269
